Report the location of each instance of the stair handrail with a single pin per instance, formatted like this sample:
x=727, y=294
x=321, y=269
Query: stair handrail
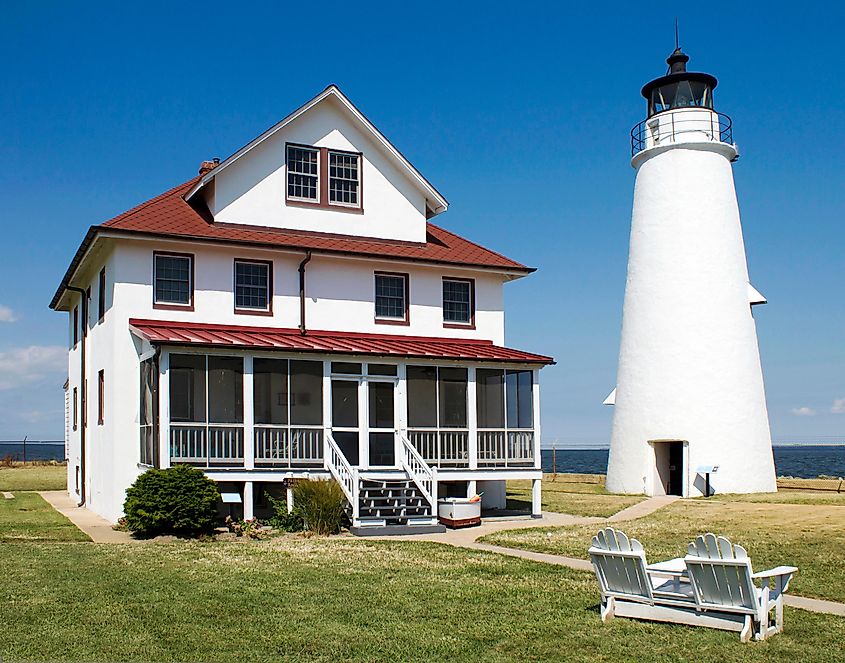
x=343, y=472
x=422, y=474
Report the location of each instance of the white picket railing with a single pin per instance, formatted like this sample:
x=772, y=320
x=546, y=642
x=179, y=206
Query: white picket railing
x=500, y=448
x=283, y=446
x=343, y=473
x=207, y=444
x=441, y=448
x=422, y=474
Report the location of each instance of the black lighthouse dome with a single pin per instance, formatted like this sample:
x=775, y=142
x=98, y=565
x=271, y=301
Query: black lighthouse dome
x=679, y=88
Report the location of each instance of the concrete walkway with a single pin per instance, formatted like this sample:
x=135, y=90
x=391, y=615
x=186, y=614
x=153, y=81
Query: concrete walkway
x=97, y=528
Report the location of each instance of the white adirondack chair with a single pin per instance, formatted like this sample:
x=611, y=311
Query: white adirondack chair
x=723, y=584
x=628, y=588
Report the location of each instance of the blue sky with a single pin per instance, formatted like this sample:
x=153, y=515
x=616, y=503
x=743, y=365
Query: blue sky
x=518, y=112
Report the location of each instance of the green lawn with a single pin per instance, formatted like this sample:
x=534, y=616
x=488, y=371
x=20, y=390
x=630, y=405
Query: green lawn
x=28, y=517
x=579, y=495
x=33, y=477
x=810, y=536
x=296, y=599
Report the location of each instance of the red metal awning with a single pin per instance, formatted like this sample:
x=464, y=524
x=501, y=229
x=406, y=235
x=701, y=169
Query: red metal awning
x=162, y=332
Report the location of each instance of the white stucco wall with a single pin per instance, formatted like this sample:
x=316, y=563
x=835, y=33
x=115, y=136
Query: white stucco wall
x=689, y=366
x=252, y=190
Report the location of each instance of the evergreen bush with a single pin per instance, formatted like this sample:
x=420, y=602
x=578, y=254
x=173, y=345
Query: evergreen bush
x=180, y=500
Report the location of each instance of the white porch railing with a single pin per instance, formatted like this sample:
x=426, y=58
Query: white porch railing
x=441, y=448
x=285, y=446
x=424, y=477
x=343, y=473
x=207, y=444
x=500, y=448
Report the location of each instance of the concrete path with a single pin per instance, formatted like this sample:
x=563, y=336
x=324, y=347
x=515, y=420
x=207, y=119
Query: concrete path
x=99, y=529
x=644, y=508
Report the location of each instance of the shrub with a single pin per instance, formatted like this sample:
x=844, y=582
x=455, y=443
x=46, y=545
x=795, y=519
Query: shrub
x=180, y=500
x=320, y=504
x=282, y=520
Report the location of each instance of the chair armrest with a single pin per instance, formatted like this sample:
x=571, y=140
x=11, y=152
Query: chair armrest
x=777, y=571
x=781, y=574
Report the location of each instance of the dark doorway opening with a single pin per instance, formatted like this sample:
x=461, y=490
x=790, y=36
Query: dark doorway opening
x=669, y=461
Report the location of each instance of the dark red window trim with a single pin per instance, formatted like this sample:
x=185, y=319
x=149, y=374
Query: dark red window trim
x=395, y=321
x=75, y=325
x=253, y=311
x=101, y=395
x=322, y=201
x=101, y=294
x=471, y=323
x=169, y=306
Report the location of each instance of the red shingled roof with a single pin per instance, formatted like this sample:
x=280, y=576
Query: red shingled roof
x=321, y=342
x=169, y=214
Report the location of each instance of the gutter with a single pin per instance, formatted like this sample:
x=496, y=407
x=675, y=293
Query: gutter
x=306, y=260
x=83, y=383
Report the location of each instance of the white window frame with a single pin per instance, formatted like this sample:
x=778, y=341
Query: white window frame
x=190, y=258
x=329, y=201
x=269, y=288
x=288, y=173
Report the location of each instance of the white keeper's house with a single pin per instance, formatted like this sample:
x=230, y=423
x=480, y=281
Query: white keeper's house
x=292, y=312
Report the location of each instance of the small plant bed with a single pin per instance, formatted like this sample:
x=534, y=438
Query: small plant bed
x=579, y=495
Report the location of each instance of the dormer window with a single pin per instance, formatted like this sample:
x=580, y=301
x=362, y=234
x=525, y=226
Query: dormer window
x=322, y=177
x=343, y=178
x=303, y=173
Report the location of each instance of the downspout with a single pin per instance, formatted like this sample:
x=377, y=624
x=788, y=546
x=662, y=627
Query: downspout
x=302, y=329
x=83, y=400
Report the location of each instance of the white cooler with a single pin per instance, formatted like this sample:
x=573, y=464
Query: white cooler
x=458, y=512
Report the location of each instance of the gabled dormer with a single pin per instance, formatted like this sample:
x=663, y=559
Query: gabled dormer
x=324, y=168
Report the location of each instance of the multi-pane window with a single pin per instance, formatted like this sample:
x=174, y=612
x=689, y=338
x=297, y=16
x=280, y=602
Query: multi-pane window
x=252, y=285
x=173, y=279
x=75, y=325
x=303, y=173
x=391, y=296
x=457, y=301
x=343, y=178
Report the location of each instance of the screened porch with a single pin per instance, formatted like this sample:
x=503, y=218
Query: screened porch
x=260, y=411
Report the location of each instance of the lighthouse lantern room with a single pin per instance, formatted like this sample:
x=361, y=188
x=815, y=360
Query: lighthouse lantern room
x=689, y=391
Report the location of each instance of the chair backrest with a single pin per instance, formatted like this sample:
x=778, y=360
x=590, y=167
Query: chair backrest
x=620, y=565
x=720, y=574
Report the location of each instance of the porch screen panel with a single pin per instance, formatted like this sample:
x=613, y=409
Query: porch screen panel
x=225, y=390
x=520, y=399
x=306, y=393
x=422, y=396
x=270, y=391
x=187, y=388
x=453, y=397
x=345, y=403
x=490, y=398
x=148, y=413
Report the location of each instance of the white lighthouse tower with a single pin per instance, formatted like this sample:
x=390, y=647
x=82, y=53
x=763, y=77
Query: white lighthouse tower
x=689, y=399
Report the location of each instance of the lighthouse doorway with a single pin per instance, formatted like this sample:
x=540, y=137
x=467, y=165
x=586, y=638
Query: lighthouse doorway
x=670, y=470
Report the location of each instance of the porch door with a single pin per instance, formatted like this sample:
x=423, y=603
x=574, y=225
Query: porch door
x=346, y=428
x=381, y=422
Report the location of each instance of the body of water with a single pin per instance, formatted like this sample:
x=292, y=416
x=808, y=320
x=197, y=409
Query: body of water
x=805, y=461
x=34, y=450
